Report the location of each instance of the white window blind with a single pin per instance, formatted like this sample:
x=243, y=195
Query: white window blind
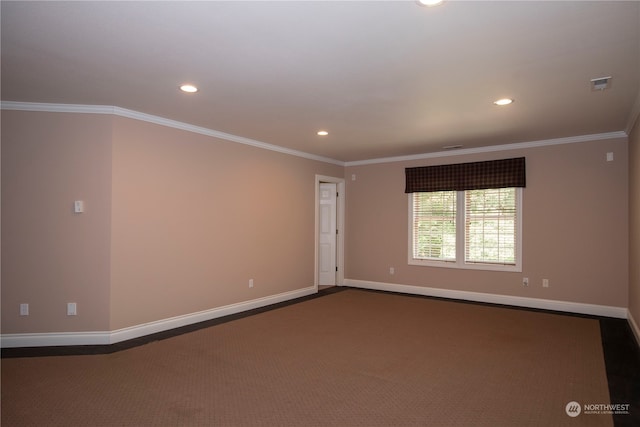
x=434, y=225
x=479, y=229
x=490, y=226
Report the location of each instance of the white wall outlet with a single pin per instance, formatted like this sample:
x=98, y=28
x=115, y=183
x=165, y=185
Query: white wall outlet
x=525, y=281
x=610, y=157
x=545, y=283
x=72, y=309
x=78, y=206
x=392, y=270
x=251, y=283
x=24, y=309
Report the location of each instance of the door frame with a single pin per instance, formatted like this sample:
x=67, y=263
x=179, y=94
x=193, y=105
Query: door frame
x=340, y=184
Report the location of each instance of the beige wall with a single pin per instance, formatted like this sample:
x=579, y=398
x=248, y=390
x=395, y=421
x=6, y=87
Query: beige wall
x=634, y=223
x=178, y=222
x=195, y=218
x=175, y=222
x=50, y=255
x=575, y=226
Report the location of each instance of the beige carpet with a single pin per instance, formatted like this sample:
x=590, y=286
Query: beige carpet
x=353, y=358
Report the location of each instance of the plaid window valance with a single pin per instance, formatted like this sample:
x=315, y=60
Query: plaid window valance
x=467, y=176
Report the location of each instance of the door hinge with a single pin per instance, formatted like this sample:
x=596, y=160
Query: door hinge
x=336, y=231
x=336, y=268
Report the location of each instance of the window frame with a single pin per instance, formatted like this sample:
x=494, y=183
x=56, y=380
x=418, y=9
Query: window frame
x=460, y=262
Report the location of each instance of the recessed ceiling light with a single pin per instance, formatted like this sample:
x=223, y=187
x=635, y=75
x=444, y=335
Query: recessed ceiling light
x=188, y=88
x=323, y=133
x=429, y=3
x=503, y=101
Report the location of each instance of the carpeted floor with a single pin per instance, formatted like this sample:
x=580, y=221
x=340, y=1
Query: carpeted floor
x=353, y=358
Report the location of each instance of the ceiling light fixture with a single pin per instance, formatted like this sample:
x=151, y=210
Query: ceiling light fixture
x=188, y=88
x=323, y=133
x=429, y=3
x=503, y=101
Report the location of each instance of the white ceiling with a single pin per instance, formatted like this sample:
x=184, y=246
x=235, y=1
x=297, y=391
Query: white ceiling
x=384, y=78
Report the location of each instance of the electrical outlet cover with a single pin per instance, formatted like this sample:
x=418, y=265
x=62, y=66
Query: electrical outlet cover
x=72, y=309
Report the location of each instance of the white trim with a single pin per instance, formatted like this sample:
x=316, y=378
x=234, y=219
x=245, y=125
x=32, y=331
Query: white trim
x=123, y=112
x=135, y=115
x=564, y=306
x=58, y=108
x=459, y=262
x=112, y=337
x=633, y=115
x=54, y=339
x=634, y=326
x=493, y=148
x=340, y=224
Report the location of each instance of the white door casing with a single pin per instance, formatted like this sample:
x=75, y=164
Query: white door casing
x=327, y=234
x=338, y=276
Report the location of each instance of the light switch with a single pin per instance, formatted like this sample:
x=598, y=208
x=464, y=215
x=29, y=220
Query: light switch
x=609, y=157
x=72, y=309
x=78, y=206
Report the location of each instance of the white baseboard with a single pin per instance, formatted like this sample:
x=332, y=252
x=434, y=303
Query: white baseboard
x=634, y=327
x=112, y=337
x=564, y=306
x=54, y=339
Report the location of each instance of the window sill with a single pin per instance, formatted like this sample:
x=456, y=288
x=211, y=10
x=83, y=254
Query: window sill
x=466, y=266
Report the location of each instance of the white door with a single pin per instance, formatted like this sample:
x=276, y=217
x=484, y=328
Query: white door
x=327, y=235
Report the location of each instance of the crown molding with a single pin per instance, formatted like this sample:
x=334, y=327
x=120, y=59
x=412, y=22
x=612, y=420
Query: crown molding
x=57, y=108
x=136, y=115
x=494, y=148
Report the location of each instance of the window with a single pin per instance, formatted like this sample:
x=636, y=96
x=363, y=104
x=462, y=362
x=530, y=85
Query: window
x=479, y=229
x=434, y=226
x=467, y=215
